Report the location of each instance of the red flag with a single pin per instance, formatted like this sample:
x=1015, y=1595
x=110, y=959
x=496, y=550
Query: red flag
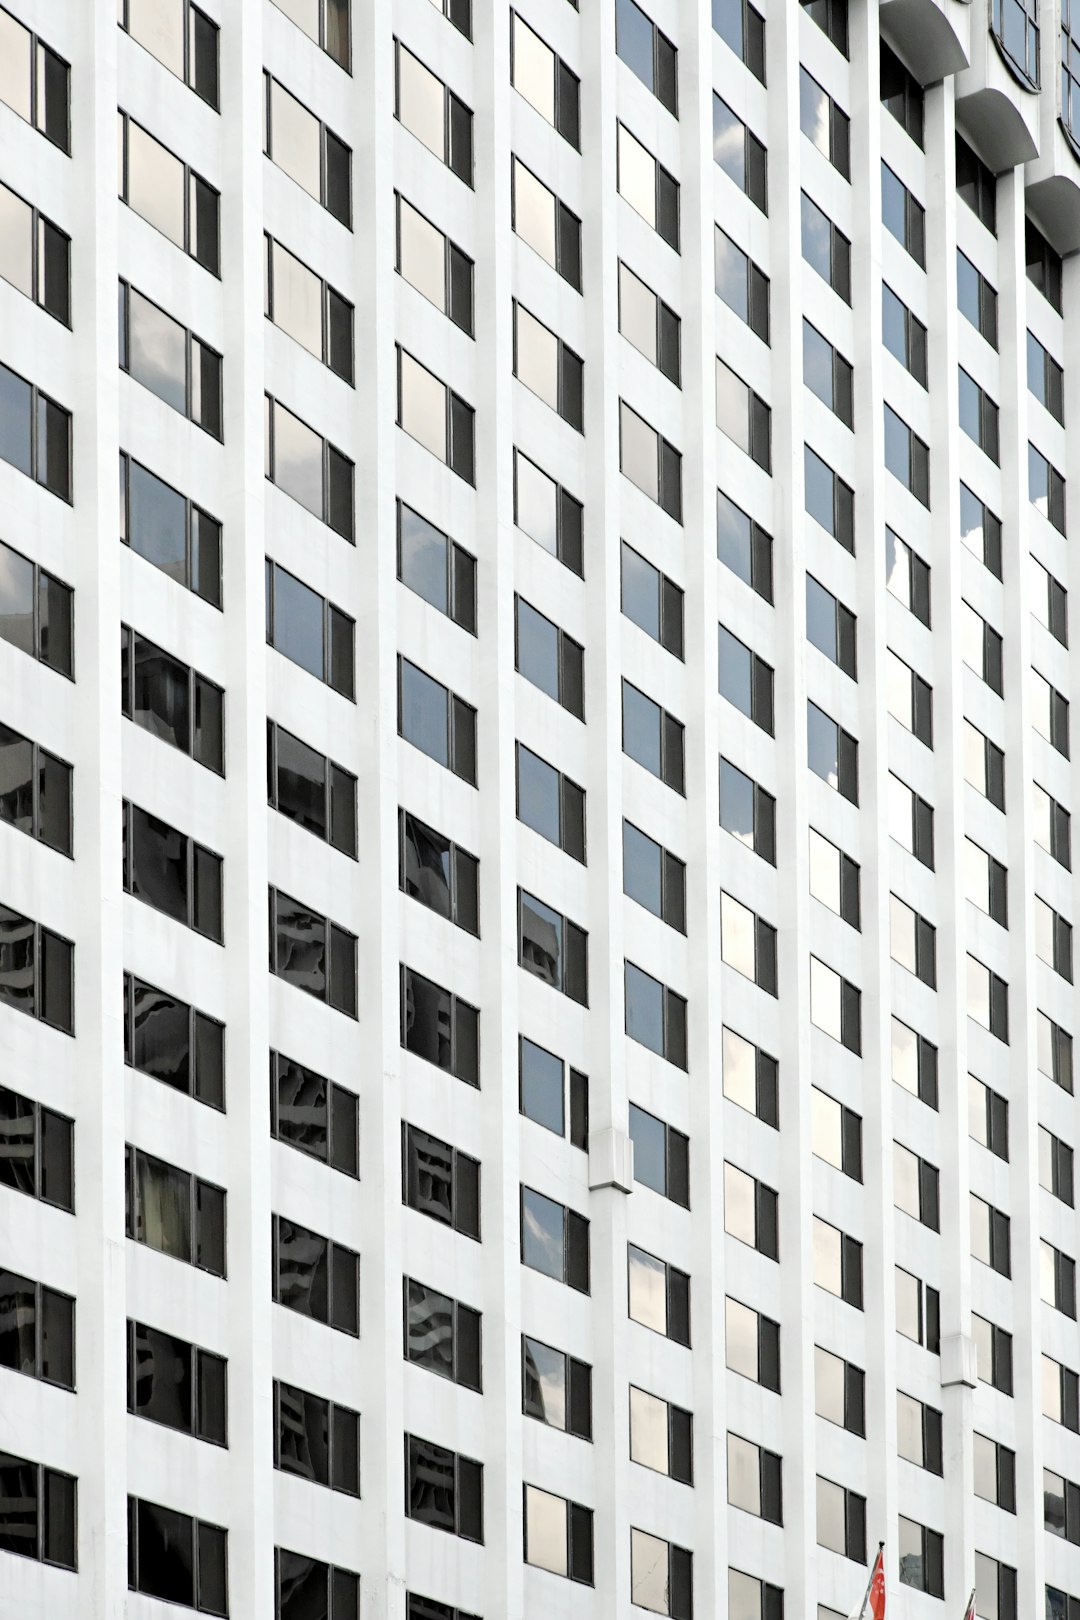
x=877, y=1588
x=969, y=1612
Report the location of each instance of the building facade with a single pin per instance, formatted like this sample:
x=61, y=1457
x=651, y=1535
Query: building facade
x=584, y=602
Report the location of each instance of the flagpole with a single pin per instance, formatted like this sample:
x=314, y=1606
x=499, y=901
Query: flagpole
x=873, y=1570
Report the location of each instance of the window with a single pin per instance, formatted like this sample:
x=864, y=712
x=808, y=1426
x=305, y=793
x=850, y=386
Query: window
x=739, y=153
x=824, y=123
x=981, y=648
x=828, y=499
x=1044, y=266
x=441, y=1334
x=314, y=1115
x=1058, y=1279
x=174, y=1212
x=558, y=1535
x=550, y=803
x=978, y=415
x=834, y=879
x=174, y=364
x=180, y=36
x=437, y=872
x=327, y=23
x=912, y=941
x=440, y=1181
x=835, y=1006
x=1053, y=939
x=907, y=576
x=975, y=184
x=752, y=1344
x=650, y=462
x=36, y=611
x=839, y=1391
x=988, y=1117
x=444, y=1489
x=1055, y=614
x=654, y=877
x=309, y=152
x=316, y=1439
x=743, y=416
x=902, y=215
x=990, y=1239
x=750, y=1078
x=542, y=1093
x=745, y=680
x=838, y=1263
x=459, y=12
x=907, y=456
x=659, y=1295
x=310, y=789
x=39, y=1339
x=1053, y=827
x=909, y=699
x=651, y=600
x=988, y=999
x=432, y=112
x=649, y=324
x=1059, y=1605
x=661, y=1436
x=548, y=368
x=305, y=306
x=35, y=795
x=309, y=630
x=1055, y=1166
x=556, y=1389
x=169, y=195
x=436, y=721
x=740, y=284
x=175, y=1383
x=994, y=1354
x=918, y=1433
x=35, y=434
x=741, y=25
x=830, y=626
x=995, y=1588
x=545, y=223
x=832, y=753
x=554, y=1240
x=1061, y=1506
x=39, y=1502
x=301, y=463
x=168, y=870
x=1054, y=1050
x=436, y=417
x=1015, y=24
x=841, y=1520
x=652, y=737
x=547, y=513
x=548, y=658
x=545, y=81
x=915, y=1187
x=922, y=1557
x=980, y=530
x=755, y=1479
x=303, y=1585
x=170, y=531
x=918, y=1311
x=1045, y=378
x=836, y=1134
x=36, y=84
x=661, y=1576
x=748, y=944
x=831, y=16
x=902, y=333
x=747, y=811
x=171, y=701
x=914, y=1063
x=655, y=1015
x=436, y=567
x=35, y=254
x=984, y=765
x=36, y=1153
x=901, y=94
x=986, y=882
x=1050, y=713
x=743, y=546
x=751, y=1212
x=177, y=1558
x=173, y=1042
x=553, y=948
x=315, y=1277
x=648, y=53
x=825, y=248
x=648, y=187
x=748, y=1597
x=1059, y=1394
x=1046, y=489
x=976, y=299
x=312, y=953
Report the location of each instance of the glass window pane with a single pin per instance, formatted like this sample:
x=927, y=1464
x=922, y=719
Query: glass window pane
x=545, y=1383
x=155, y=183
x=534, y=213
x=647, y=1289
x=534, y=70
x=297, y=294
x=638, y=452
x=538, y=794
x=298, y=622
x=157, y=522
x=298, y=460
x=421, y=102
x=423, y=406
x=545, y=1530
x=159, y=26
x=16, y=239
x=649, y=1572
x=423, y=558
x=542, y=1234
x=637, y=176
x=15, y=398
x=162, y=1207
x=304, y=13
x=422, y=254
x=542, y=1086
x=537, y=504
x=424, y=713
x=294, y=140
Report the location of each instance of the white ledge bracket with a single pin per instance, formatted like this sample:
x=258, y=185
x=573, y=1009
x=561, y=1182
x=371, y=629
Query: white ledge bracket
x=959, y=1363
x=611, y=1160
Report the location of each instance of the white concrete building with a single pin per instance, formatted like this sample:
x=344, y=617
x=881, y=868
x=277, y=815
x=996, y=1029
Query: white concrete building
x=600, y=470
